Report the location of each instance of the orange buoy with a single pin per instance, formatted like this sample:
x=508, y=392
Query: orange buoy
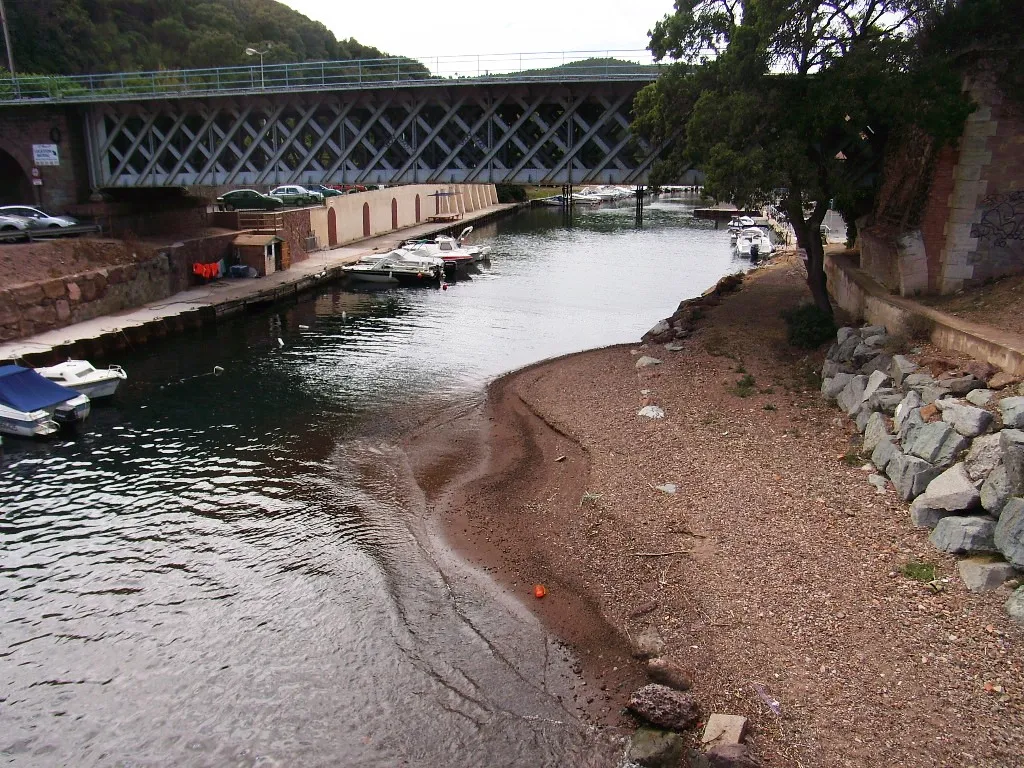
x=539, y=591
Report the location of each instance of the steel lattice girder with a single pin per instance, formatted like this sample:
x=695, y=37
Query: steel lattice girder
x=537, y=133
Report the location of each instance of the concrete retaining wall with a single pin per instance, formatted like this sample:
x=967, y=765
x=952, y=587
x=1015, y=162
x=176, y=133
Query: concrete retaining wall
x=865, y=299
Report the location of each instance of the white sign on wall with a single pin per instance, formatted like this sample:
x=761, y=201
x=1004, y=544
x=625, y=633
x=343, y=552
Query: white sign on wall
x=45, y=154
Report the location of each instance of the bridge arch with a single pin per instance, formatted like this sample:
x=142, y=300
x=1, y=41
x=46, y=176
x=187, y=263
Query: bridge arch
x=417, y=209
x=366, y=219
x=394, y=213
x=332, y=227
x=16, y=187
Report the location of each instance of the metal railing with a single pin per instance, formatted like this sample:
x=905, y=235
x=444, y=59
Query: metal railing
x=332, y=75
x=33, y=234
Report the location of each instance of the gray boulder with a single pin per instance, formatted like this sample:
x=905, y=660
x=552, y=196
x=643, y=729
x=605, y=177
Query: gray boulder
x=883, y=453
x=876, y=428
x=932, y=392
x=647, y=362
x=910, y=474
x=852, y=395
x=911, y=425
x=995, y=491
x=846, y=332
x=660, y=328
x=867, y=331
x=875, y=381
x=879, y=362
x=863, y=354
x=879, y=482
x=860, y=418
x=961, y=385
x=924, y=516
x=654, y=748
x=959, y=535
x=983, y=575
x=1009, y=532
x=1012, y=410
x=983, y=457
x=980, y=397
x=664, y=707
x=936, y=443
x=918, y=380
x=830, y=368
x=1012, y=443
x=952, y=491
x=830, y=388
x=845, y=352
x=900, y=368
x=965, y=419
x=885, y=399
x=1015, y=605
x=875, y=340
x=911, y=401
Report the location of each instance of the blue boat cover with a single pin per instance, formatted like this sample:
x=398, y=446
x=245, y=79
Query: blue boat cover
x=25, y=390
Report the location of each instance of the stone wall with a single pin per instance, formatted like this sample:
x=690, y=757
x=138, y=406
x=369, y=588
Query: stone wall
x=63, y=185
x=37, y=307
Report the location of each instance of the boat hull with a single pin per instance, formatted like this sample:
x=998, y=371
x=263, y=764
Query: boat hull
x=26, y=424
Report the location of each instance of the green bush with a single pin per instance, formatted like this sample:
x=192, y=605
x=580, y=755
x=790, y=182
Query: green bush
x=809, y=327
x=511, y=193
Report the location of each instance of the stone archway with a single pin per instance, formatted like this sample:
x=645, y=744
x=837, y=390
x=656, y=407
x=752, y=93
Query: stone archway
x=332, y=227
x=394, y=213
x=16, y=187
x=417, y=209
x=366, y=219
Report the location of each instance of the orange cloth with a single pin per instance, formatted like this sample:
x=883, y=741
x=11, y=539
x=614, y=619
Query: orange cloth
x=207, y=271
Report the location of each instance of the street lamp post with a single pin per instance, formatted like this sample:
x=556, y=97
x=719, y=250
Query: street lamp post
x=261, y=54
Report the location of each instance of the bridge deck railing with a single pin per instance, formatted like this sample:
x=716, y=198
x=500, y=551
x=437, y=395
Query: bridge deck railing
x=330, y=75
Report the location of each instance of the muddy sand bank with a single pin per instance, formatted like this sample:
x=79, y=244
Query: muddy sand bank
x=774, y=565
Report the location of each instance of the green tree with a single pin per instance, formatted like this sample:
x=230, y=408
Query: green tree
x=793, y=101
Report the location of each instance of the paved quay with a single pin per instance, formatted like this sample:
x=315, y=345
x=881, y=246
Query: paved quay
x=206, y=304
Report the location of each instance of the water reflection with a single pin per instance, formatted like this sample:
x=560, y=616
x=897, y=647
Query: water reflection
x=232, y=569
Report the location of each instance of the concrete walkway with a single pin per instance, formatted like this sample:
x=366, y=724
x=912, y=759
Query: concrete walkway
x=208, y=303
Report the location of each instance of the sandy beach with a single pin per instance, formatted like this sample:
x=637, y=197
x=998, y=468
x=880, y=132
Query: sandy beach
x=774, y=565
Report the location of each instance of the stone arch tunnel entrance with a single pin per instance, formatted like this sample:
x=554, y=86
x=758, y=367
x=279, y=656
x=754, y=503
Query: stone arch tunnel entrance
x=14, y=184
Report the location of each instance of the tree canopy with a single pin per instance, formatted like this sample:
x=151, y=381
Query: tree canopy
x=68, y=37
x=793, y=100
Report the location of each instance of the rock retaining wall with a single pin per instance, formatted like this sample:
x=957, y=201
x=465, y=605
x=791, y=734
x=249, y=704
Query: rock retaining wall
x=949, y=440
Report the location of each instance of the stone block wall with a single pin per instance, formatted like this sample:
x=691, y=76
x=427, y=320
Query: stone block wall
x=37, y=307
x=63, y=185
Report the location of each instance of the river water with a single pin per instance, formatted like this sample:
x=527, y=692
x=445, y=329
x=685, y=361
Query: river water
x=234, y=570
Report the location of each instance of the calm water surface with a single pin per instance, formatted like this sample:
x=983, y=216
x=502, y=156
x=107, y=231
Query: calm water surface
x=234, y=569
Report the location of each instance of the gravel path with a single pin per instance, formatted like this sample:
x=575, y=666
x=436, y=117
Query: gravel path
x=774, y=565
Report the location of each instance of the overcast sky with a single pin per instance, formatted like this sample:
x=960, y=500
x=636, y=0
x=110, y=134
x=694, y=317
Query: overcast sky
x=423, y=29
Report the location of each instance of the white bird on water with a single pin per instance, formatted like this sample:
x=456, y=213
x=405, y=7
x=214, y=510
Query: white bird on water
x=280, y=341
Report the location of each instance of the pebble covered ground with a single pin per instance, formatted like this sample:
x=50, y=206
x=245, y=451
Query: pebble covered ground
x=774, y=573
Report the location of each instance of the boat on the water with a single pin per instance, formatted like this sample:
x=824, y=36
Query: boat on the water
x=397, y=267
x=443, y=245
x=80, y=375
x=33, y=406
x=754, y=242
x=455, y=259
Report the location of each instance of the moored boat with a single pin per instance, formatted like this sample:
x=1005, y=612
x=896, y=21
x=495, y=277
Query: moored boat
x=442, y=245
x=400, y=266
x=754, y=242
x=80, y=375
x=33, y=406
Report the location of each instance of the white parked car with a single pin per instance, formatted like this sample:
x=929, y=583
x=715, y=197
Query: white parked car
x=36, y=217
x=293, y=194
x=10, y=225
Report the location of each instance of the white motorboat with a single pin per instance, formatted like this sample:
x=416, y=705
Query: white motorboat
x=400, y=266
x=754, y=242
x=445, y=245
x=34, y=406
x=83, y=377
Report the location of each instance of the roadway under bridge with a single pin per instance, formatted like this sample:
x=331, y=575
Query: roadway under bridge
x=547, y=133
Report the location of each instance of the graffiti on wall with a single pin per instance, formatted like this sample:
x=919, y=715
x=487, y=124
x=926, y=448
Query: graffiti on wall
x=1002, y=219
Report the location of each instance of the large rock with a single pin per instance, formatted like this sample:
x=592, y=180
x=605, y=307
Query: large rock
x=654, y=748
x=1012, y=443
x=846, y=332
x=980, y=397
x=831, y=367
x=910, y=474
x=1001, y=380
x=661, y=328
x=647, y=362
x=830, y=388
x=879, y=362
x=877, y=427
x=933, y=392
x=912, y=424
x=1012, y=410
x=876, y=381
x=852, y=395
x=1009, y=532
x=965, y=419
x=918, y=381
x=984, y=575
x=952, y=491
x=723, y=729
x=669, y=673
x=1015, y=605
x=983, y=457
x=883, y=453
x=961, y=385
x=664, y=707
x=862, y=353
x=937, y=443
x=867, y=331
x=860, y=418
x=845, y=352
x=995, y=491
x=910, y=402
x=959, y=535
x=900, y=368
x=651, y=412
x=885, y=399
x=648, y=643
x=925, y=516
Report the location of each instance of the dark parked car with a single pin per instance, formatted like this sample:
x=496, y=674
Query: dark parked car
x=243, y=199
x=349, y=189
x=325, y=191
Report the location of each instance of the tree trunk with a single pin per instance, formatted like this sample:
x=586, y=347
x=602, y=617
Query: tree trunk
x=808, y=237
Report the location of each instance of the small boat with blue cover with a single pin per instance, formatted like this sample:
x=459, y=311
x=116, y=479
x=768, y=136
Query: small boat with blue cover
x=33, y=406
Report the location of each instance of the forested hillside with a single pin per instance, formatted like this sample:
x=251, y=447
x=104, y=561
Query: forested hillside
x=81, y=36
